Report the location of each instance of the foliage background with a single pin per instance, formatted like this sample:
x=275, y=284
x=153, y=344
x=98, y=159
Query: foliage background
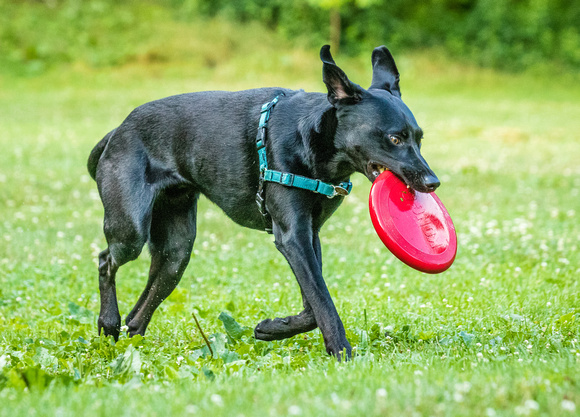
x=506, y=34
x=509, y=34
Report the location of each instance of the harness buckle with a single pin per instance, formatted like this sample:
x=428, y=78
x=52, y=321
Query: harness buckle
x=260, y=202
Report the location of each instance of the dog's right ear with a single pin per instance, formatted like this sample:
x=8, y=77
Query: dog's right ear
x=385, y=72
x=338, y=85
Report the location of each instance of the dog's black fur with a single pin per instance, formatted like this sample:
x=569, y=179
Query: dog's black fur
x=151, y=170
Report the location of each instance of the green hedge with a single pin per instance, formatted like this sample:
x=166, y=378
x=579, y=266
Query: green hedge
x=507, y=34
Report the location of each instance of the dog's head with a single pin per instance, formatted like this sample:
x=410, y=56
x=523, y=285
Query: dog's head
x=376, y=130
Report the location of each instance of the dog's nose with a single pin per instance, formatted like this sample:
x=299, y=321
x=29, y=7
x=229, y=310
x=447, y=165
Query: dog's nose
x=431, y=182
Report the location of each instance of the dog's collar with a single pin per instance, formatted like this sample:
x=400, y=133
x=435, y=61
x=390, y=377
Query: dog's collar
x=284, y=178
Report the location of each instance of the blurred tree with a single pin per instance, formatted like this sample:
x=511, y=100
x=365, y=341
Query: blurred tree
x=334, y=8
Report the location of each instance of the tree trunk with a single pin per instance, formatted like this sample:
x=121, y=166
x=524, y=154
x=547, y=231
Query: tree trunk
x=335, y=30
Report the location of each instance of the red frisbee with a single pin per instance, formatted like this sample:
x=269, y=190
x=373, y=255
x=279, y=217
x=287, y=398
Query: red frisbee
x=414, y=226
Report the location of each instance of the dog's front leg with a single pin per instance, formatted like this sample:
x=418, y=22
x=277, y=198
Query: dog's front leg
x=297, y=243
x=285, y=327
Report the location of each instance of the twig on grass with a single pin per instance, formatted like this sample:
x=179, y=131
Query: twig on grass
x=202, y=334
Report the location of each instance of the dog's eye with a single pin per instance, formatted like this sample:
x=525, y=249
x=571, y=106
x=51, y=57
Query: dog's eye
x=395, y=139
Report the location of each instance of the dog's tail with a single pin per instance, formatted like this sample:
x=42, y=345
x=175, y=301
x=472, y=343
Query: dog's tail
x=96, y=154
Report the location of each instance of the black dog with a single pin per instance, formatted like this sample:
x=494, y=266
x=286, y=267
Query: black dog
x=151, y=170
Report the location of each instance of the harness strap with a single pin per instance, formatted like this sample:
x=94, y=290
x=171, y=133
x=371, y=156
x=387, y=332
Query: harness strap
x=284, y=178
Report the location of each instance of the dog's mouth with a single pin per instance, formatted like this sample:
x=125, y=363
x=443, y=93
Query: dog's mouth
x=423, y=182
x=375, y=169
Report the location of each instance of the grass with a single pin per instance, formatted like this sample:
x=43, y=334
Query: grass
x=496, y=335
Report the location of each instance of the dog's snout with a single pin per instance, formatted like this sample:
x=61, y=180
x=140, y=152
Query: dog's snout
x=431, y=182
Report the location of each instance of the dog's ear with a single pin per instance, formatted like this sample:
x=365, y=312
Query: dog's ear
x=338, y=85
x=385, y=72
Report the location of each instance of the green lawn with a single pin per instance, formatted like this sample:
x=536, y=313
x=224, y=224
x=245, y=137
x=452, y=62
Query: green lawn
x=495, y=335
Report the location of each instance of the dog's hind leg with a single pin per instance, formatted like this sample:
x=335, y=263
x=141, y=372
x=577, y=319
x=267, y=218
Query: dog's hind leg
x=173, y=230
x=125, y=242
x=109, y=319
x=128, y=199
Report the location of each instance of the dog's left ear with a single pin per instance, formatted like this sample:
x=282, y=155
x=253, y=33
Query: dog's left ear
x=385, y=72
x=338, y=85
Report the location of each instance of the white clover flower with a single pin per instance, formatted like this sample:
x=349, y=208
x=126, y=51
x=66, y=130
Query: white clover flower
x=294, y=410
x=568, y=405
x=217, y=400
x=531, y=405
x=381, y=393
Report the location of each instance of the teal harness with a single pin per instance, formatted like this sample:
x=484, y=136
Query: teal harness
x=285, y=178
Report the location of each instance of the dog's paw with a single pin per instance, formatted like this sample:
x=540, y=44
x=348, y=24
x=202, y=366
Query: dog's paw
x=283, y=328
x=272, y=329
x=341, y=350
x=133, y=328
x=110, y=326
